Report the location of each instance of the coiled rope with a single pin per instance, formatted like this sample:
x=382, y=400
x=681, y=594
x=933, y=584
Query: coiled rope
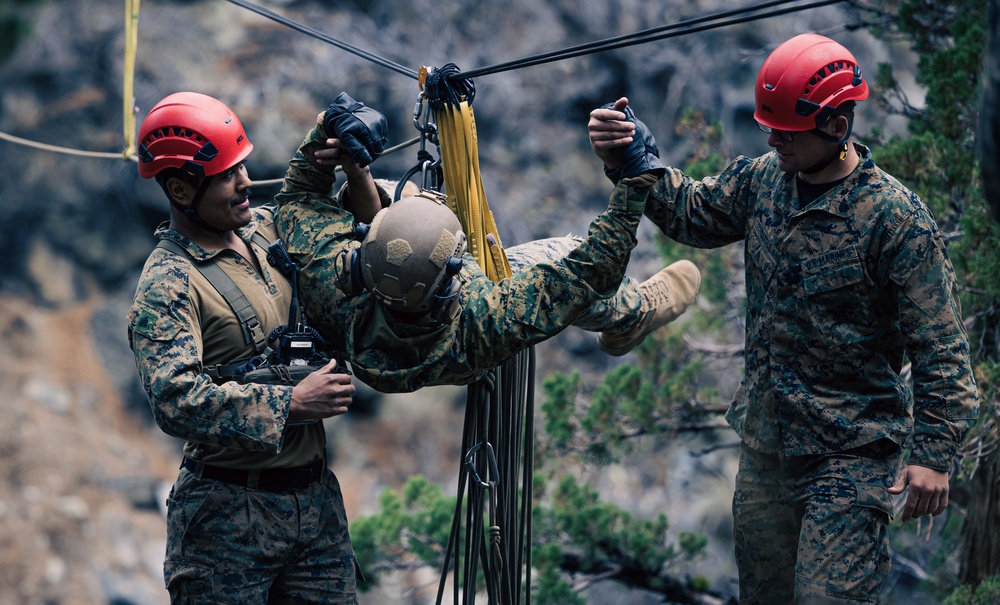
x=496, y=431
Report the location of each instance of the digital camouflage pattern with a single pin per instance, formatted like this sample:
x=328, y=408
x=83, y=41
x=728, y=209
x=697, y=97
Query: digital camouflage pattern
x=825, y=521
x=496, y=319
x=837, y=292
x=238, y=546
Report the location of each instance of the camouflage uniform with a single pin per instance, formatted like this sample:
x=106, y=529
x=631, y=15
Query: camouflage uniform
x=496, y=319
x=229, y=543
x=836, y=292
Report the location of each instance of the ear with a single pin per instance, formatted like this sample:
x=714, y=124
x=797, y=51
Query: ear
x=182, y=193
x=841, y=125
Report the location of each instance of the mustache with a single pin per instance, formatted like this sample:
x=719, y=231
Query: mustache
x=239, y=199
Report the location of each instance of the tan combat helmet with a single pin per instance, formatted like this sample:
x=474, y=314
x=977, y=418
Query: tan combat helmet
x=410, y=256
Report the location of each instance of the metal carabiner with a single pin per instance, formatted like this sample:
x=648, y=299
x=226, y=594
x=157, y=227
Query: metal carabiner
x=491, y=460
x=429, y=168
x=418, y=110
x=430, y=175
x=427, y=127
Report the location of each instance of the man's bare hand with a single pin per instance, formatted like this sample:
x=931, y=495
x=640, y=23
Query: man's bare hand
x=335, y=154
x=927, y=491
x=322, y=394
x=609, y=130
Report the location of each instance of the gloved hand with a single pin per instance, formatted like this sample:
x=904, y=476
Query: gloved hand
x=640, y=158
x=361, y=129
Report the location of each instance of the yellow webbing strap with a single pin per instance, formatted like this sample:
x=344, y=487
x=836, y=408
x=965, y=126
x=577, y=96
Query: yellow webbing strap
x=456, y=128
x=128, y=94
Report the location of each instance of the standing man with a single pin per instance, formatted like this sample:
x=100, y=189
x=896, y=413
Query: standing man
x=255, y=516
x=846, y=275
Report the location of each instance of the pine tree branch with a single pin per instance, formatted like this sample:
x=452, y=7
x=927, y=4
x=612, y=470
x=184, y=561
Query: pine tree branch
x=673, y=589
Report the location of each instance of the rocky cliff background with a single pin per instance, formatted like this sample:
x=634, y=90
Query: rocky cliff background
x=83, y=470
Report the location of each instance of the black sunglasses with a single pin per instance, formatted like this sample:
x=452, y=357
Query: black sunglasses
x=785, y=135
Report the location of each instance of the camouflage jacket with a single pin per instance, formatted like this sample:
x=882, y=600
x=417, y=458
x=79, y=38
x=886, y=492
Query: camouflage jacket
x=179, y=324
x=838, y=293
x=496, y=319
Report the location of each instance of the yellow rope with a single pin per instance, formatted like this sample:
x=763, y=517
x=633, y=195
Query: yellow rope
x=128, y=97
x=464, y=186
x=128, y=94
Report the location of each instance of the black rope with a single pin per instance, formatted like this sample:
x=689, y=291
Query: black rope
x=446, y=85
x=325, y=38
x=496, y=474
x=453, y=559
x=649, y=35
x=452, y=77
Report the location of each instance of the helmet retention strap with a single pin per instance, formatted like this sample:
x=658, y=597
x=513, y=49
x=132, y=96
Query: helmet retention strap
x=192, y=211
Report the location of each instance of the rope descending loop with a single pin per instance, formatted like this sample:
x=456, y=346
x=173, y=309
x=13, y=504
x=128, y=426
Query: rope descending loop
x=496, y=539
x=499, y=417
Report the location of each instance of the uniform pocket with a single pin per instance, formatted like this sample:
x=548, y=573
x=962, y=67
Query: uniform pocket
x=839, y=296
x=152, y=323
x=189, y=584
x=864, y=561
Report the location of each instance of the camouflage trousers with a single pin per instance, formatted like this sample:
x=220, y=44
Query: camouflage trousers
x=812, y=530
x=619, y=312
x=228, y=544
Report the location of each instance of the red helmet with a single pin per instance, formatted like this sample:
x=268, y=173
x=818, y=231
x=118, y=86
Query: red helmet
x=803, y=81
x=194, y=132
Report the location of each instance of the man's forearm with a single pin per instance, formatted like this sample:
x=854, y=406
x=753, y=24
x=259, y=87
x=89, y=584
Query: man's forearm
x=361, y=197
x=303, y=174
x=601, y=258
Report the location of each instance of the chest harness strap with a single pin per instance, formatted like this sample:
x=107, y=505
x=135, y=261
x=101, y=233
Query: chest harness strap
x=253, y=332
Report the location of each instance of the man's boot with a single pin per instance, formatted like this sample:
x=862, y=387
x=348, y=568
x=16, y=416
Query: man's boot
x=664, y=297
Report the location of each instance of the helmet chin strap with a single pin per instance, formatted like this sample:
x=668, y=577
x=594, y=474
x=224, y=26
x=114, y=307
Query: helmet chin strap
x=820, y=165
x=192, y=211
x=840, y=154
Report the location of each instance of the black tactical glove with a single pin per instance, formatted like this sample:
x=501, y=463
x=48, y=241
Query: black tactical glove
x=641, y=157
x=361, y=129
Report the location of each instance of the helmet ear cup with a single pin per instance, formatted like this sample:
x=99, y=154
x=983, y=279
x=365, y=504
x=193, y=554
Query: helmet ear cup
x=348, y=265
x=446, y=303
x=349, y=275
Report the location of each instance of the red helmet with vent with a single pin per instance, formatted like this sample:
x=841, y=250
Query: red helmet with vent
x=193, y=132
x=803, y=82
